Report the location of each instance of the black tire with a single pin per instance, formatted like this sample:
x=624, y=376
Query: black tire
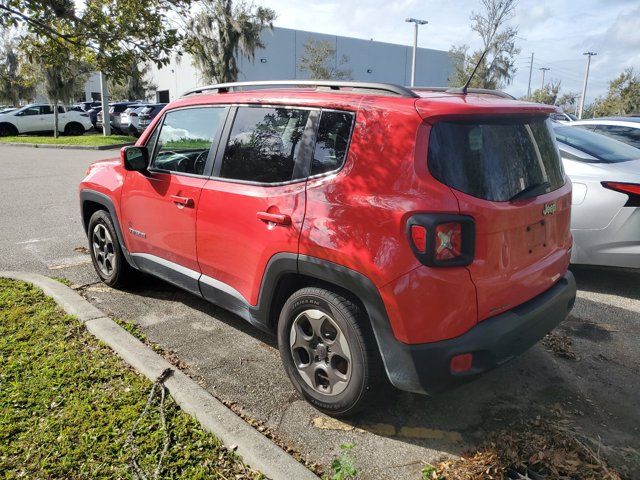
x=6, y=130
x=366, y=369
x=74, y=128
x=121, y=273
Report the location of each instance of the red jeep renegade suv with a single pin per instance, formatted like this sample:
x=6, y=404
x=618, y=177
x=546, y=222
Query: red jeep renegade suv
x=419, y=234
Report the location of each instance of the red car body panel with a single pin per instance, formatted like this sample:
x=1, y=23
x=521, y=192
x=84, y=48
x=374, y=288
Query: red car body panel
x=234, y=245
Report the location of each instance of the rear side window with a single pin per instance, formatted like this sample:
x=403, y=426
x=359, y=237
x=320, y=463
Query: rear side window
x=263, y=144
x=627, y=135
x=331, y=142
x=495, y=159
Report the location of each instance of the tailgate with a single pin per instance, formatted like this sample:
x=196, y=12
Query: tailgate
x=506, y=173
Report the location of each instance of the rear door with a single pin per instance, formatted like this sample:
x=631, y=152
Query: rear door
x=254, y=206
x=506, y=173
x=158, y=207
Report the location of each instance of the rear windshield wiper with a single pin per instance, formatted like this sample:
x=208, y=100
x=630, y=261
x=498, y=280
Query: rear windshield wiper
x=532, y=190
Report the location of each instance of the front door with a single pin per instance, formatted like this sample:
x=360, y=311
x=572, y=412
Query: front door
x=158, y=207
x=30, y=120
x=254, y=207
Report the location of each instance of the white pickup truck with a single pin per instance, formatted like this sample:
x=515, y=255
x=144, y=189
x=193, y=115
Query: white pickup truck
x=37, y=118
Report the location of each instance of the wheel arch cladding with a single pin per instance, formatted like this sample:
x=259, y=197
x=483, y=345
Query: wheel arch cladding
x=92, y=201
x=284, y=270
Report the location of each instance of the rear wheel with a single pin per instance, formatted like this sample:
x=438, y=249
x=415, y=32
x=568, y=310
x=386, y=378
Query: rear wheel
x=328, y=351
x=106, y=254
x=6, y=130
x=74, y=128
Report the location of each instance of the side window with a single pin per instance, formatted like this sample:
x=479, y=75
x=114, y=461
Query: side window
x=332, y=141
x=46, y=110
x=628, y=135
x=185, y=138
x=31, y=111
x=60, y=109
x=263, y=144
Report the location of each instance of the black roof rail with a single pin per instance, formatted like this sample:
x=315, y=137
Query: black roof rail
x=458, y=91
x=333, y=85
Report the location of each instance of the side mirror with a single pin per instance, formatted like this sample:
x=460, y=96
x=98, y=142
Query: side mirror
x=135, y=159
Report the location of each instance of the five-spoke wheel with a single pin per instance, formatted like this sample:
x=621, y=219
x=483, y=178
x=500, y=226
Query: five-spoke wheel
x=103, y=249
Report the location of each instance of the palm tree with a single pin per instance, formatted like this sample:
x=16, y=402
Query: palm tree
x=222, y=30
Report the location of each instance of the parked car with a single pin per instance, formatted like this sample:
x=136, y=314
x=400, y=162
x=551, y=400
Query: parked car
x=129, y=115
x=562, y=116
x=93, y=117
x=605, y=220
x=625, y=129
x=144, y=117
x=115, y=111
x=38, y=118
x=7, y=109
x=376, y=230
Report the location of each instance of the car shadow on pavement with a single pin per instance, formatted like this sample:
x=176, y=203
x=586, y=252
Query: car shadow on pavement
x=611, y=281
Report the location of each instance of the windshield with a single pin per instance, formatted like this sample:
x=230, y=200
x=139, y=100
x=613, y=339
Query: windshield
x=496, y=159
x=598, y=146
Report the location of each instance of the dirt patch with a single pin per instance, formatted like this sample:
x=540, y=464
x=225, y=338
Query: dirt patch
x=535, y=449
x=560, y=345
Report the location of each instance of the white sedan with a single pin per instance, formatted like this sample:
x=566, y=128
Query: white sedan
x=38, y=118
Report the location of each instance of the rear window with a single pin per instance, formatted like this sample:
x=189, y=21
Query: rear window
x=496, y=159
x=602, y=147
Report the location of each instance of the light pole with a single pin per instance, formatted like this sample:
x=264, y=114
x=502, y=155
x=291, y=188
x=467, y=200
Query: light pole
x=416, y=22
x=530, y=72
x=584, y=85
x=543, y=70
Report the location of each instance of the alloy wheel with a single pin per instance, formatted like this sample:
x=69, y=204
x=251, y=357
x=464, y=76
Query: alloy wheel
x=103, y=249
x=320, y=352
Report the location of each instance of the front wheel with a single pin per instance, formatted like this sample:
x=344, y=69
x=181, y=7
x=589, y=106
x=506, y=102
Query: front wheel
x=106, y=254
x=328, y=351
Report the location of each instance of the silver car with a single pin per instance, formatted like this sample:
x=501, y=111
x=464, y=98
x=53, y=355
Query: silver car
x=605, y=214
x=625, y=129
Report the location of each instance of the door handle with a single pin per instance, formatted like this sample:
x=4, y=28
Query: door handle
x=277, y=218
x=182, y=201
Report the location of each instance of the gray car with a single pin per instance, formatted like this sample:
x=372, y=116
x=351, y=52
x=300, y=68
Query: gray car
x=605, y=213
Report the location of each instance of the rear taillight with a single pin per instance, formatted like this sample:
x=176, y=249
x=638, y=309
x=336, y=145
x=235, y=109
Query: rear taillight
x=441, y=240
x=631, y=189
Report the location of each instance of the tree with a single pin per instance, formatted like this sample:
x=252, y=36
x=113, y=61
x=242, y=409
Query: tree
x=63, y=69
x=623, y=97
x=499, y=41
x=109, y=33
x=221, y=31
x=548, y=94
x=135, y=86
x=319, y=60
x=16, y=81
x=567, y=102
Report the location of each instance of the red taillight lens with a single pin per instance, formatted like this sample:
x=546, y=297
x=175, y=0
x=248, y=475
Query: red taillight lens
x=419, y=237
x=462, y=363
x=629, y=188
x=448, y=241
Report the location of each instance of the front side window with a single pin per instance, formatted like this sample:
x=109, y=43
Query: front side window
x=496, y=159
x=263, y=144
x=27, y=112
x=185, y=138
x=331, y=142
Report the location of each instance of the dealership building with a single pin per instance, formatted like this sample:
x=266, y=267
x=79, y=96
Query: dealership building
x=367, y=61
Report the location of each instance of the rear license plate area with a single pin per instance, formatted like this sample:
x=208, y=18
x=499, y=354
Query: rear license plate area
x=536, y=236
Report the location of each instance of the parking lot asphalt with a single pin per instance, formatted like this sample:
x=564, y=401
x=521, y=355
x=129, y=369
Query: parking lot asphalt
x=589, y=382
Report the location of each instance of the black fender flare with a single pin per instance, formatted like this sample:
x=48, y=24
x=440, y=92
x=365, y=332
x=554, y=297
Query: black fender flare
x=397, y=359
x=87, y=195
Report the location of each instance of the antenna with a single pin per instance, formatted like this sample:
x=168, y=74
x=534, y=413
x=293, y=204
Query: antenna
x=464, y=89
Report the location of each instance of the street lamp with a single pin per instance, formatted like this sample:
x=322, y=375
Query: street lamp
x=416, y=22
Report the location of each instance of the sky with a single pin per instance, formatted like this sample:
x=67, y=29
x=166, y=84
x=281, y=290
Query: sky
x=557, y=32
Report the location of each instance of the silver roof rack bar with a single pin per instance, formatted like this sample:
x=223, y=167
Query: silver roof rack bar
x=454, y=90
x=333, y=85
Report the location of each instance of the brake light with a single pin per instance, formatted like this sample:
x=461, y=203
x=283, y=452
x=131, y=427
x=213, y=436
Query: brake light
x=461, y=363
x=419, y=238
x=631, y=189
x=440, y=240
x=448, y=241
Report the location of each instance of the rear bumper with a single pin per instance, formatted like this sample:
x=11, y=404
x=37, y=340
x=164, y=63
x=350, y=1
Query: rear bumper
x=425, y=368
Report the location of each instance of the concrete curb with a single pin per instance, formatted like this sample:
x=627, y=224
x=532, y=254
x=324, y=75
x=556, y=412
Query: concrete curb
x=70, y=147
x=255, y=449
